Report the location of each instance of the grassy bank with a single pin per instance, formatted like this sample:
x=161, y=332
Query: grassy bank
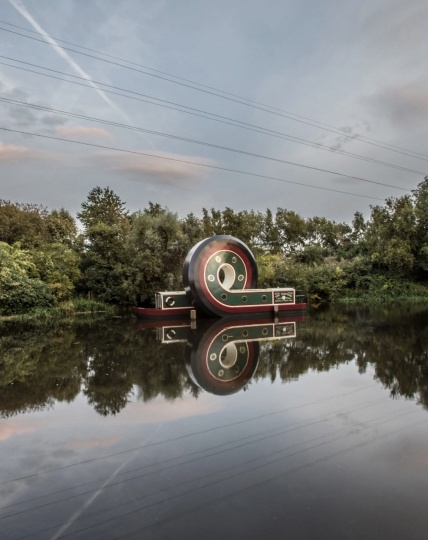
x=70, y=309
x=377, y=299
x=384, y=290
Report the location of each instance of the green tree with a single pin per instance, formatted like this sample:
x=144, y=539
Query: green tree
x=24, y=223
x=58, y=266
x=391, y=235
x=193, y=229
x=61, y=227
x=244, y=225
x=358, y=227
x=270, y=236
x=291, y=229
x=328, y=234
x=159, y=246
x=420, y=196
x=207, y=224
x=106, y=257
x=102, y=206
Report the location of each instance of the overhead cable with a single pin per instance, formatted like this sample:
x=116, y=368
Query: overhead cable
x=188, y=162
x=312, y=123
x=216, y=117
x=192, y=141
x=315, y=123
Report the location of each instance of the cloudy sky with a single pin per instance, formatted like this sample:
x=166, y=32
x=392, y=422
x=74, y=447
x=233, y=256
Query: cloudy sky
x=271, y=91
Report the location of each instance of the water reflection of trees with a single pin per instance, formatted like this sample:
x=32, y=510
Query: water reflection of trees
x=393, y=342
x=113, y=361
x=109, y=362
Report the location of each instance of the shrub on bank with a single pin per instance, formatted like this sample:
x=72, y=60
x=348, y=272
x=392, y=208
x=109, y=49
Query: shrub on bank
x=20, y=289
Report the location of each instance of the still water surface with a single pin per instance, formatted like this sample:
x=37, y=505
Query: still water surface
x=308, y=429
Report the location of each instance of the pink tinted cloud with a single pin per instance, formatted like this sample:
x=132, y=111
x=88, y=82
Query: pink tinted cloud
x=159, y=167
x=158, y=411
x=8, y=431
x=13, y=154
x=401, y=104
x=82, y=131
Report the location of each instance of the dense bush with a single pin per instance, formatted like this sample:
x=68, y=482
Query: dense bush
x=20, y=290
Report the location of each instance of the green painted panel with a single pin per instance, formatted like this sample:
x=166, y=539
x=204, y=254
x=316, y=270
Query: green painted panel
x=244, y=298
x=175, y=299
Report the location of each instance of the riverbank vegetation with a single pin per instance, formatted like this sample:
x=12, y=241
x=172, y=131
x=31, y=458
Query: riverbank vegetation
x=122, y=259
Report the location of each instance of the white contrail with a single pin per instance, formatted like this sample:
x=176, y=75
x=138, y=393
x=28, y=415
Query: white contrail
x=88, y=503
x=100, y=490
x=18, y=5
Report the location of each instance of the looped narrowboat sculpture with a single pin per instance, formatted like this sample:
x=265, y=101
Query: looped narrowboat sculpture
x=220, y=280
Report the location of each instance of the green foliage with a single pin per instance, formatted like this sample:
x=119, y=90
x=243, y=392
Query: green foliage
x=386, y=288
x=268, y=265
x=19, y=291
x=24, y=223
x=33, y=226
x=58, y=266
x=159, y=244
x=102, y=206
x=192, y=228
x=106, y=264
x=292, y=230
x=61, y=227
x=247, y=226
x=270, y=237
x=39, y=264
x=328, y=234
x=311, y=254
x=358, y=227
x=85, y=305
x=391, y=235
x=106, y=259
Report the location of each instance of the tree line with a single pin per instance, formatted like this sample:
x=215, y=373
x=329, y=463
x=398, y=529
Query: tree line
x=123, y=258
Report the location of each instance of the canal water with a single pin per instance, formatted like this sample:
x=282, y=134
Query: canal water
x=308, y=428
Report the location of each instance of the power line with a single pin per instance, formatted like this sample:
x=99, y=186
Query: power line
x=343, y=132
x=156, y=70
x=325, y=439
x=217, y=118
x=254, y=439
x=275, y=432
x=185, y=139
x=196, y=163
x=337, y=131
x=161, y=77
x=195, y=433
x=238, y=492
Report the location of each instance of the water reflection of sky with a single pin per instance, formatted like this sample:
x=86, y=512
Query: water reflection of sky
x=326, y=455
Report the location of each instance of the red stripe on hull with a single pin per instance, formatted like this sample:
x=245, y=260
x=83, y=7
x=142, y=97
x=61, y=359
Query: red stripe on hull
x=156, y=313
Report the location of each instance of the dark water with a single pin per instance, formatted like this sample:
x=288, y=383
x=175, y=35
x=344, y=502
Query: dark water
x=111, y=430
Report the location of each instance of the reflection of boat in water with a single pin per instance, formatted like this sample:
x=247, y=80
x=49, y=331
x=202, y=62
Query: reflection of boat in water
x=222, y=354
